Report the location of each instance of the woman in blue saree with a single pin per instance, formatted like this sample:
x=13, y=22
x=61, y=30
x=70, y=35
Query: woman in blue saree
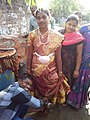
x=78, y=95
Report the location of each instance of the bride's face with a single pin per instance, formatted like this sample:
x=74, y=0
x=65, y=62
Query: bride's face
x=42, y=19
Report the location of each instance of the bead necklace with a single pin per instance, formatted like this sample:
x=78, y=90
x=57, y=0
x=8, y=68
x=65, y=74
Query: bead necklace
x=43, y=37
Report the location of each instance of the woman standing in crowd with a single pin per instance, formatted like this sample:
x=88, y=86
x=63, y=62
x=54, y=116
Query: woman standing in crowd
x=44, y=60
x=79, y=94
x=71, y=49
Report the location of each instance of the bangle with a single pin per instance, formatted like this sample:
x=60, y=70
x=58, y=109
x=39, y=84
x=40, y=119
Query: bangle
x=60, y=74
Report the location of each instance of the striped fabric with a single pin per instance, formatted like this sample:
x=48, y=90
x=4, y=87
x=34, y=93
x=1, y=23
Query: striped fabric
x=12, y=97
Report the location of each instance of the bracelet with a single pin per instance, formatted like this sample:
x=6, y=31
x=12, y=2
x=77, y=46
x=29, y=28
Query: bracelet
x=60, y=74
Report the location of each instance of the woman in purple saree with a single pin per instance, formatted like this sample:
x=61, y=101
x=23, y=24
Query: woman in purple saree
x=78, y=95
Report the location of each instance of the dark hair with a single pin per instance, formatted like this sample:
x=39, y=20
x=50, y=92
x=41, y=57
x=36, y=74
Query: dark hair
x=43, y=10
x=33, y=6
x=73, y=17
x=77, y=12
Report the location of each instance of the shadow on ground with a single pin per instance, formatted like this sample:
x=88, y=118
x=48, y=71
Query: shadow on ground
x=60, y=112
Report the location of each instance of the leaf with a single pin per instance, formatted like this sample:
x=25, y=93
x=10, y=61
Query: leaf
x=33, y=2
x=9, y=2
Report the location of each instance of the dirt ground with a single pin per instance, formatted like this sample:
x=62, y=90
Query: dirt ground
x=60, y=112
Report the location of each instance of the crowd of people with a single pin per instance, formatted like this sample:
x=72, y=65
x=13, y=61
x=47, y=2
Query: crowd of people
x=57, y=68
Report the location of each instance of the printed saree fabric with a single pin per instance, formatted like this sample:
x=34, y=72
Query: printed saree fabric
x=78, y=95
x=8, y=60
x=46, y=80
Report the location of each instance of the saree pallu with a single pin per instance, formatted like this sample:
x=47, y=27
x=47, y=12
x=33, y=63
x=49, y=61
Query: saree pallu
x=78, y=95
x=45, y=78
x=72, y=38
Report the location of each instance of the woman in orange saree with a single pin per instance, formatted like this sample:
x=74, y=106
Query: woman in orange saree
x=44, y=61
